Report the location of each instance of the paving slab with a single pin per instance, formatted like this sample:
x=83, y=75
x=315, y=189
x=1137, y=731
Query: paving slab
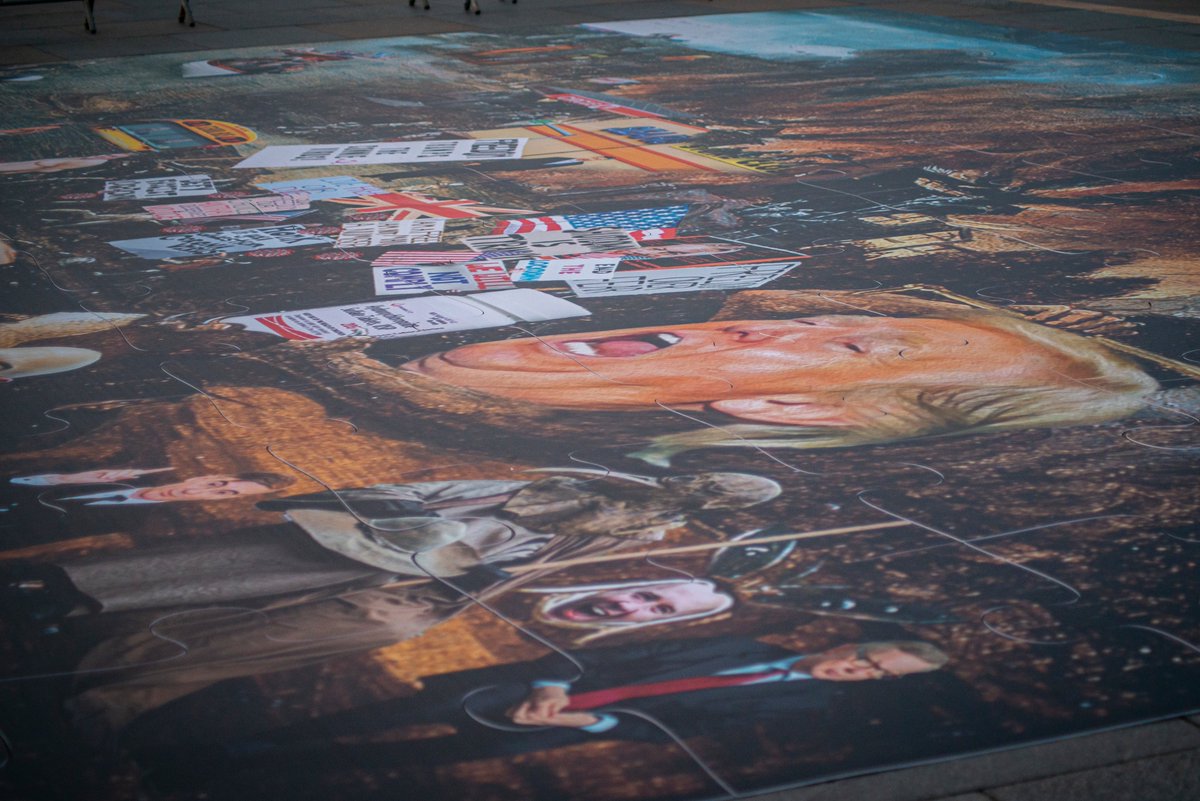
x=1171, y=777
x=650, y=10
x=22, y=54
x=362, y=29
x=929, y=782
x=230, y=19
x=99, y=46
x=281, y=35
x=726, y=6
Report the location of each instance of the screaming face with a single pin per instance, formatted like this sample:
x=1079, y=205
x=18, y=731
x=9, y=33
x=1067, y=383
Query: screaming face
x=761, y=370
x=642, y=604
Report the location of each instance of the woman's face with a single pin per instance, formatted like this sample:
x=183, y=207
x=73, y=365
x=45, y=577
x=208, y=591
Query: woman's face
x=754, y=369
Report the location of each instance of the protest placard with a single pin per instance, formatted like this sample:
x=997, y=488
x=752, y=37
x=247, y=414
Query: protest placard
x=659, y=218
x=232, y=241
x=384, y=233
x=231, y=207
x=474, y=276
x=563, y=269
x=408, y=317
x=419, y=152
x=161, y=187
x=328, y=188
x=685, y=279
x=552, y=243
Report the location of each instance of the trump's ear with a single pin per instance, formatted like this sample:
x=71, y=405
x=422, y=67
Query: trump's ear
x=790, y=410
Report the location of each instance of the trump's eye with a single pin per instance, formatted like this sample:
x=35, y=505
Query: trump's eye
x=854, y=347
x=664, y=609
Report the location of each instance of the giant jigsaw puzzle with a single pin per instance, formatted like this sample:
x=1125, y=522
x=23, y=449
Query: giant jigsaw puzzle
x=669, y=409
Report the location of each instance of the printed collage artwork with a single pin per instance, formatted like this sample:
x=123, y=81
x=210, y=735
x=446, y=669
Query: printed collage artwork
x=660, y=410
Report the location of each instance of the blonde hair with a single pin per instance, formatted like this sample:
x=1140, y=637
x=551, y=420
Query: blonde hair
x=1103, y=386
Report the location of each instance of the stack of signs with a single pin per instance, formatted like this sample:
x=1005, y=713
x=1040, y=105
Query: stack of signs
x=211, y=244
x=333, y=186
x=279, y=156
x=233, y=207
x=384, y=233
x=538, y=244
x=564, y=269
x=158, y=188
x=476, y=276
x=684, y=279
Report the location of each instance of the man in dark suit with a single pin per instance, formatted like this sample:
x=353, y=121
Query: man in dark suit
x=712, y=686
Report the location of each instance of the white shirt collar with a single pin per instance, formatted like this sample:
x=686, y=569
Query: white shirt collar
x=117, y=497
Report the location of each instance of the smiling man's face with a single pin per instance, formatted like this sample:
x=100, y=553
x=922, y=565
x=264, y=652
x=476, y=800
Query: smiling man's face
x=742, y=368
x=204, y=488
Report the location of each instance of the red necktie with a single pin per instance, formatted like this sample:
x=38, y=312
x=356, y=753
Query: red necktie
x=615, y=694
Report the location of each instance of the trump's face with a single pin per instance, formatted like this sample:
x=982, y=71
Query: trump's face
x=760, y=370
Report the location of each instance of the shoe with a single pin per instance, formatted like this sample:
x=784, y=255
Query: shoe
x=33, y=594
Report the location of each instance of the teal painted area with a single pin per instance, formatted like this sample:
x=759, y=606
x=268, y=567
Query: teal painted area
x=1000, y=54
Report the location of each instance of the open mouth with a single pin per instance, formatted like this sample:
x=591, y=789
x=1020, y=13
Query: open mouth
x=619, y=347
x=591, y=611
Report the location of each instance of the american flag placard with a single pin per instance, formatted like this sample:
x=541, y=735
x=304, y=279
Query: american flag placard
x=664, y=218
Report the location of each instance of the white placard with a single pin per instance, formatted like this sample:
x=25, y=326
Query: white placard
x=563, y=269
x=410, y=317
x=231, y=207
x=233, y=241
x=158, y=188
x=684, y=279
x=385, y=233
x=333, y=186
x=476, y=276
x=539, y=244
x=385, y=153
